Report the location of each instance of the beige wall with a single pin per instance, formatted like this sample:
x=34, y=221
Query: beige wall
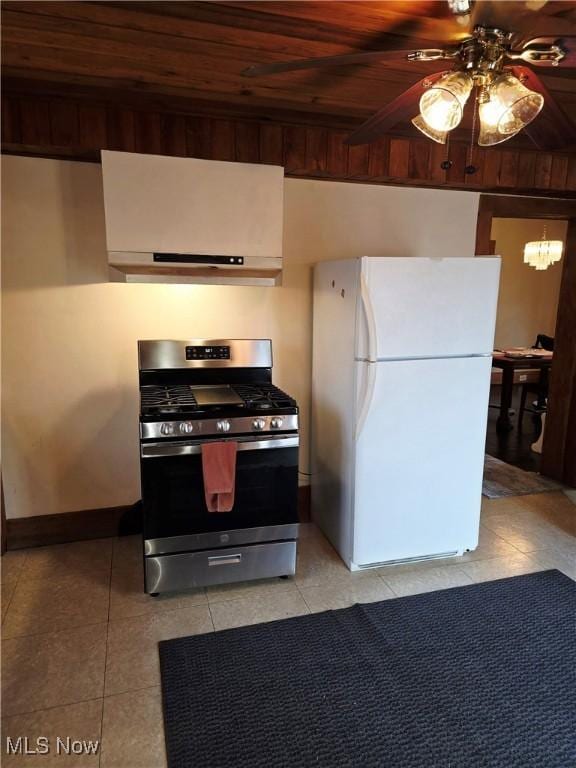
x=70, y=400
x=528, y=300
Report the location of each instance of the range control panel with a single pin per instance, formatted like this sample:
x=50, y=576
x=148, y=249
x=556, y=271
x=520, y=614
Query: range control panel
x=207, y=353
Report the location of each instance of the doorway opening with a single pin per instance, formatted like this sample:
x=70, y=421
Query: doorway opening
x=498, y=217
x=525, y=324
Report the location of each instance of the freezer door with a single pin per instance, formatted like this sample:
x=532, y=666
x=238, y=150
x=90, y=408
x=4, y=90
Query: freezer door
x=419, y=307
x=419, y=458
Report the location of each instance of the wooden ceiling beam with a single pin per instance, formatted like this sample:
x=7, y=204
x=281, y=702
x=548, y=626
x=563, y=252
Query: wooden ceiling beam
x=65, y=128
x=18, y=82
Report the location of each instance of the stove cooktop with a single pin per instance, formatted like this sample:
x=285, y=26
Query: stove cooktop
x=185, y=400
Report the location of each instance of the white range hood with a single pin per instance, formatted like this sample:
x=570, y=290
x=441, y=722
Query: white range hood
x=184, y=220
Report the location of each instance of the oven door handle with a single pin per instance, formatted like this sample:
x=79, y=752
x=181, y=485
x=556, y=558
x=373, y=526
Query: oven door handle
x=150, y=450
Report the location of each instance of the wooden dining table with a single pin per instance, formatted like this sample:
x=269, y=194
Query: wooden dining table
x=508, y=364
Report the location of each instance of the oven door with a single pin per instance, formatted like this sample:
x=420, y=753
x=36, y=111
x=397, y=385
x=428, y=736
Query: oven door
x=176, y=518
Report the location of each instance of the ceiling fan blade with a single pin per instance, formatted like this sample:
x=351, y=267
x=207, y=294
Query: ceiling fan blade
x=566, y=42
x=362, y=57
x=552, y=129
x=402, y=108
x=523, y=19
x=498, y=15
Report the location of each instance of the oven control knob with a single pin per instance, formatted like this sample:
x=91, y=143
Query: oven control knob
x=167, y=429
x=223, y=426
x=276, y=422
x=259, y=424
x=186, y=427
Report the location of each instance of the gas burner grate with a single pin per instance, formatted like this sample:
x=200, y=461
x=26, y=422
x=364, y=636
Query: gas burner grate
x=264, y=396
x=179, y=398
x=167, y=399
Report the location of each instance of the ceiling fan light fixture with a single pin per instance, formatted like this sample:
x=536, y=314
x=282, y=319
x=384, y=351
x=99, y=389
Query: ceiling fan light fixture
x=461, y=10
x=422, y=125
x=442, y=105
x=460, y=7
x=510, y=108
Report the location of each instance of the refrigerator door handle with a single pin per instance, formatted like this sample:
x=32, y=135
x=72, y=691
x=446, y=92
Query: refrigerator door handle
x=367, y=397
x=368, y=309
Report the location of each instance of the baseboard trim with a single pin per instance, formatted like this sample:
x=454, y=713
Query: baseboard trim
x=101, y=523
x=41, y=530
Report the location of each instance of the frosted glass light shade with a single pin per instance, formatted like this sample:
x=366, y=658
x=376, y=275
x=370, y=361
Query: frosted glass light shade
x=511, y=107
x=442, y=105
x=488, y=135
x=540, y=254
x=422, y=125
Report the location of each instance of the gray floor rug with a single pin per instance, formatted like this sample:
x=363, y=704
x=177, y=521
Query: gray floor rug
x=501, y=479
x=482, y=676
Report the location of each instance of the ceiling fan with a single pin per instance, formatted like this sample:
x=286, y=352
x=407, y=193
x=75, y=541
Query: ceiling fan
x=508, y=94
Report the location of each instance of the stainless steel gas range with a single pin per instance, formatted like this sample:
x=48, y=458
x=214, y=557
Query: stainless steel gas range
x=199, y=392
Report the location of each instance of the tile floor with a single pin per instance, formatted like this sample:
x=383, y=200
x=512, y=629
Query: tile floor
x=79, y=650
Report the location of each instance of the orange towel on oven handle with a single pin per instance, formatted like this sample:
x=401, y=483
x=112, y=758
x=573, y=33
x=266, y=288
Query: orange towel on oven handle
x=219, y=473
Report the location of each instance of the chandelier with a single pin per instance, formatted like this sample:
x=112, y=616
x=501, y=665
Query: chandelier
x=540, y=254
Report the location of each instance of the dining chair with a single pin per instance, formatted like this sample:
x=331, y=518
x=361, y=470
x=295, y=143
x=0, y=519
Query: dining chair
x=539, y=388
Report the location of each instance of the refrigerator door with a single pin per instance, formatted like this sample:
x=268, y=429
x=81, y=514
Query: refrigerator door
x=420, y=307
x=419, y=460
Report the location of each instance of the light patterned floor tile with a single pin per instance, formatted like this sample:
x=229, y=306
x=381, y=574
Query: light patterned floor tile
x=266, y=588
x=310, y=531
x=407, y=583
x=7, y=590
x=60, y=726
x=12, y=563
x=554, y=558
x=132, y=660
x=74, y=600
x=127, y=551
x=340, y=595
x=527, y=534
x=61, y=560
x=254, y=610
x=53, y=669
x=501, y=567
x=133, y=730
x=127, y=596
x=505, y=505
x=556, y=501
x=568, y=548
x=318, y=563
x=58, y=668
x=570, y=494
x=489, y=545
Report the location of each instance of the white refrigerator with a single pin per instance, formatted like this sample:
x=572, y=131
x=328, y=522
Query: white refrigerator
x=402, y=351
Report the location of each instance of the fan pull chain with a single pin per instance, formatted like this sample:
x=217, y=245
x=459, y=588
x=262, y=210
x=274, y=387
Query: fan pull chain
x=446, y=164
x=471, y=168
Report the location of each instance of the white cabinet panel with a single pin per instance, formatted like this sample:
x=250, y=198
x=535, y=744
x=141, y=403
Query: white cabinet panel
x=191, y=206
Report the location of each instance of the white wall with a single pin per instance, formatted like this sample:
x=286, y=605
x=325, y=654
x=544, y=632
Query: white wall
x=528, y=299
x=70, y=397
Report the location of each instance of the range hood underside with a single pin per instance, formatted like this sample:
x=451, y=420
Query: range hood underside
x=147, y=268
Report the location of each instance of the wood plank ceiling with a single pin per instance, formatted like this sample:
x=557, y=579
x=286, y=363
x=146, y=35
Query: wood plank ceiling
x=188, y=56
